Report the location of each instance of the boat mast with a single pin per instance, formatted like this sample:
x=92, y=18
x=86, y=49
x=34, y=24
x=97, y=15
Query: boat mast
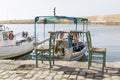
x=54, y=11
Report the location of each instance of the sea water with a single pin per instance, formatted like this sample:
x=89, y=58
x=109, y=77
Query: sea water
x=105, y=36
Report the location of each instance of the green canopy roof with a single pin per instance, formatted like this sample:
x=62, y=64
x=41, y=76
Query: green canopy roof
x=55, y=18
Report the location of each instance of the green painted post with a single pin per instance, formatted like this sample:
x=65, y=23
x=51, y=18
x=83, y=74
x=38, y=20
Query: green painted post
x=104, y=60
x=42, y=56
x=89, y=47
x=50, y=50
x=53, y=57
x=35, y=22
x=90, y=44
x=36, y=59
x=53, y=48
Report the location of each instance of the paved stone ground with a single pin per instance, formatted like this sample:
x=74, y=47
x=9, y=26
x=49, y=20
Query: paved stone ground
x=63, y=70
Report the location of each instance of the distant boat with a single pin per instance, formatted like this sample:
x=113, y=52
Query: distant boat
x=13, y=45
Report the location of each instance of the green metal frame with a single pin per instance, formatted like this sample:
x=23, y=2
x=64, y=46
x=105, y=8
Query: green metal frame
x=50, y=51
x=91, y=52
x=51, y=48
x=53, y=19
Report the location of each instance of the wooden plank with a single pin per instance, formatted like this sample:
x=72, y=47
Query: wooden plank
x=40, y=42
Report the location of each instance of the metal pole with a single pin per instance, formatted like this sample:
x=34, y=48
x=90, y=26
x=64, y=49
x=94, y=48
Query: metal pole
x=75, y=22
x=76, y=26
x=86, y=25
x=54, y=26
x=83, y=30
x=35, y=44
x=35, y=22
x=54, y=15
x=44, y=34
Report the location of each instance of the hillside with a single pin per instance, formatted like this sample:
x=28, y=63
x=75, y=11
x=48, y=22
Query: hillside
x=104, y=19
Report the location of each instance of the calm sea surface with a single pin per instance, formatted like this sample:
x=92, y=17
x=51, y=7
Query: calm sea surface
x=102, y=35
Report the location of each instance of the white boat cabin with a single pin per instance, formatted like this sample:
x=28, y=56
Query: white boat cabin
x=6, y=37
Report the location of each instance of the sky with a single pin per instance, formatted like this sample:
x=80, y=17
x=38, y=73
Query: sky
x=28, y=9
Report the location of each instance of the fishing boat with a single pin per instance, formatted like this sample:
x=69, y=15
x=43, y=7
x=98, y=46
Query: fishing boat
x=68, y=45
x=13, y=45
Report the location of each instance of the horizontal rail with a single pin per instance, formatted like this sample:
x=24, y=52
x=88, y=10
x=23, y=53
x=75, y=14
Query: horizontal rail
x=40, y=42
x=67, y=32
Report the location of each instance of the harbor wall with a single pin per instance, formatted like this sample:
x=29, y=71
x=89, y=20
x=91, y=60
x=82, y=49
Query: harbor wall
x=103, y=19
